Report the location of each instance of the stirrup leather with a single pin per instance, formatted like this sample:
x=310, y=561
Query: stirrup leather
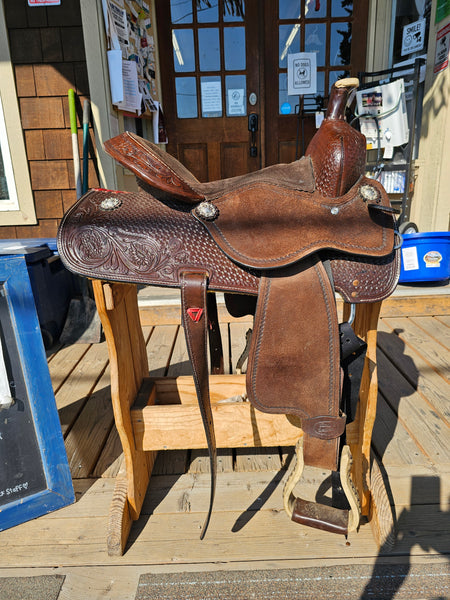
x=317, y=515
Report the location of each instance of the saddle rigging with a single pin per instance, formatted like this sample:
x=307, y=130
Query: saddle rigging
x=280, y=243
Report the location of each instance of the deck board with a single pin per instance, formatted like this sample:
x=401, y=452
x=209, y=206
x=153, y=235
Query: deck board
x=249, y=527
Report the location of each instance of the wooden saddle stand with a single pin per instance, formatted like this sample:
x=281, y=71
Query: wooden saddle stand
x=279, y=243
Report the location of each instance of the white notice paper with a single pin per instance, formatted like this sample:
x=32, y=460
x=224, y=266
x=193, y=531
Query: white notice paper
x=115, y=75
x=236, y=104
x=132, y=98
x=211, y=97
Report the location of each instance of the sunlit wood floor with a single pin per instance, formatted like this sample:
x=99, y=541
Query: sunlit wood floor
x=249, y=529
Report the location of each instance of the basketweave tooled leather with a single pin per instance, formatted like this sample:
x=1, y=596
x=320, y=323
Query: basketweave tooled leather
x=146, y=241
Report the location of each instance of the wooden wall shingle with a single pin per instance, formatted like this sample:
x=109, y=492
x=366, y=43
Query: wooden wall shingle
x=48, y=58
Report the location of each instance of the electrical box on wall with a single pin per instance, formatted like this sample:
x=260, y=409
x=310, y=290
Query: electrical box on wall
x=383, y=116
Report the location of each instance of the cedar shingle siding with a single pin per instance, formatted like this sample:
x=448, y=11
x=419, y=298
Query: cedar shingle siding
x=47, y=54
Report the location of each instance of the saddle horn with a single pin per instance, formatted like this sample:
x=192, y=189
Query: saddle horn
x=337, y=151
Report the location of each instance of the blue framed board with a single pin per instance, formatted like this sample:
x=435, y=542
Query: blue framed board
x=34, y=472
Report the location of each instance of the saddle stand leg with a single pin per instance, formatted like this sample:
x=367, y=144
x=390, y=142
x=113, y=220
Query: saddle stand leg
x=118, y=310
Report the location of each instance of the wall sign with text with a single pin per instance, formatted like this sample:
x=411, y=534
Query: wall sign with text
x=302, y=74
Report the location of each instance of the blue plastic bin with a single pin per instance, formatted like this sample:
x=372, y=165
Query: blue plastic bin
x=52, y=284
x=425, y=257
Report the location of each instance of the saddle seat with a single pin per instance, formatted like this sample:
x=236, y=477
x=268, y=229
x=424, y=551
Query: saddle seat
x=162, y=171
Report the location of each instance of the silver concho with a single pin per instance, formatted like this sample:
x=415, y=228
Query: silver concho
x=206, y=211
x=369, y=193
x=110, y=203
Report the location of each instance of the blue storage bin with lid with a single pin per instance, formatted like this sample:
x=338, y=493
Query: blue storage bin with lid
x=425, y=257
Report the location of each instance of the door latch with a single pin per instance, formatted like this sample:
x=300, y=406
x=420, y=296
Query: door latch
x=253, y=128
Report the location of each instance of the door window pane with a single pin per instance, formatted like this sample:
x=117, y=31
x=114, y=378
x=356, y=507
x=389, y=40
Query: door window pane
x=321, y=83
x=208, y=14
x=211, y=90
x=286, y=104
x=181, y=11
x=234, y=40
x=183, y=50
x=289, y=42
x=289, y=9
x=315, y=10
x=4, y=193
x=232, y=14
x=209, y=49
x=341, y=8
x=186, y=91
x=335, y=75
x=8, y=192
x=316, y=40
x=236, y=95
x=340, y=43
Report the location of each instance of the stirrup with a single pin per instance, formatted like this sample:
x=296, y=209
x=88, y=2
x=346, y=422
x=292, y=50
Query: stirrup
x=320, y=516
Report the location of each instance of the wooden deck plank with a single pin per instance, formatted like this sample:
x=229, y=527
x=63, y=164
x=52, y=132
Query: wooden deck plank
x=410, y=485
x=426, y=346
x=392, y=442
x=416, y=370
x=254, y=459
x=86, y=439
x=159, y=349
x=429, y=432
x=434, y=329
x=170, y=539
x=111, y=459
x=405, y=305
x=173, y=461
x=64, y=361
x=257, y=459
x=444, y=319
x=77, y=388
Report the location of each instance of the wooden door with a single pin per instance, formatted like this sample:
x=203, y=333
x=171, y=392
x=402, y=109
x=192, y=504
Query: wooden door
x=336, y=31
x=223, y=61
x=210, y=62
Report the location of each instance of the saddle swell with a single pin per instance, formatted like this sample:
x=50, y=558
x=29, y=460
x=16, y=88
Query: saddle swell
x=289, y=236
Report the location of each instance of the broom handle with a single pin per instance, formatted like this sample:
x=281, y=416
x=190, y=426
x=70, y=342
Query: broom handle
x=75, y=149
x=86, y=112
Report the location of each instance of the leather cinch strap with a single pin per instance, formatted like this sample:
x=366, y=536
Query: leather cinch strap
x=195, y=322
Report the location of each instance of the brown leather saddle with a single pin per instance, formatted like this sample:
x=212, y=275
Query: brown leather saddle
x=279, y=242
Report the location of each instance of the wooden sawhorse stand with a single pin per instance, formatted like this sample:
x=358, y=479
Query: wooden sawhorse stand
x=174, y=422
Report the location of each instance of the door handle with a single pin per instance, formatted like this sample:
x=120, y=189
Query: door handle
x=253, y=128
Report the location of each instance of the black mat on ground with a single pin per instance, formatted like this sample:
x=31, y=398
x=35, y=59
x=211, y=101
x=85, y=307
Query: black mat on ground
x=45, y=587
x=382, y=582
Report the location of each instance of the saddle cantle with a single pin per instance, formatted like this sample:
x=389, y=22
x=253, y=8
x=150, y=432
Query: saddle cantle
x=288, y=236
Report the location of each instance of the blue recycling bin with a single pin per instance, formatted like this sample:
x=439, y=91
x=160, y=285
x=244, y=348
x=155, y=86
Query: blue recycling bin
x=52, y=284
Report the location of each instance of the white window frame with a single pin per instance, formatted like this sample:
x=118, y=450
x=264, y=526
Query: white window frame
x=20, y=210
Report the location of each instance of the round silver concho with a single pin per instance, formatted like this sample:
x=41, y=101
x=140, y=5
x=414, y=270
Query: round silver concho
x=369, y=193
x=206, y=211
x=110, y=203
